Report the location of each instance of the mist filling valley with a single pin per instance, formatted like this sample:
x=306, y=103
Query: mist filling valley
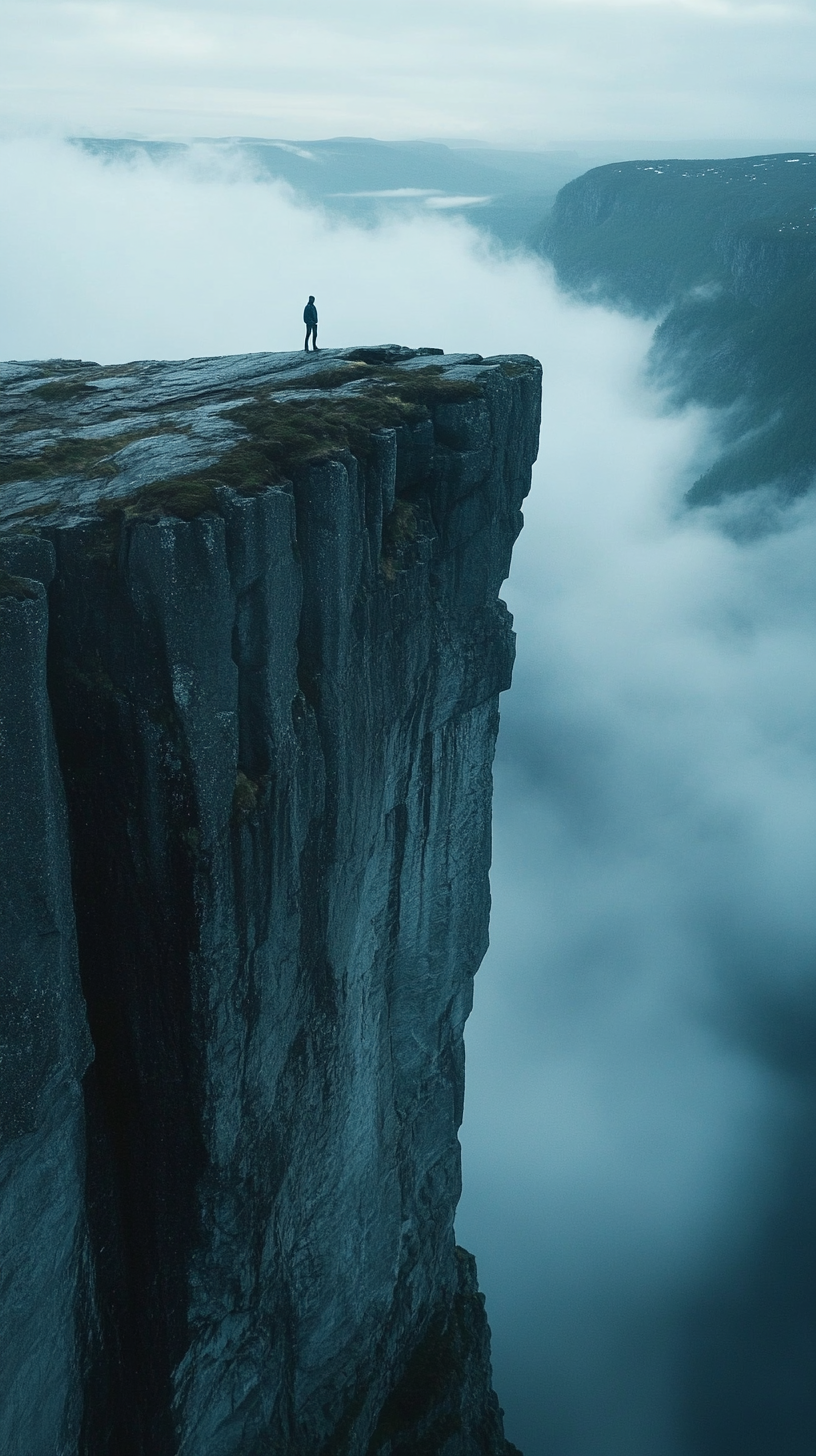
x=638, y=1169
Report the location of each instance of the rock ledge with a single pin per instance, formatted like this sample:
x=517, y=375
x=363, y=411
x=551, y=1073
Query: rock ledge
x=251, y=649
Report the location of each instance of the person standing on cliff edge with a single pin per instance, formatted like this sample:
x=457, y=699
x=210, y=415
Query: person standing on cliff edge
x=310, y=320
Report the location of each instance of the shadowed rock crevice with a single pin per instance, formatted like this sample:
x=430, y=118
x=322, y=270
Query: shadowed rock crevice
x=136, y=836
x=445, y=1381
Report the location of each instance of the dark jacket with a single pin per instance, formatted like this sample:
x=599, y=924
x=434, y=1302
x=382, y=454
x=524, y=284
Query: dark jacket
x=310, y=314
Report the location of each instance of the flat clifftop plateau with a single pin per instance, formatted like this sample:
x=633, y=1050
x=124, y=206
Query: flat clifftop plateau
x=84, y=441
x=251, y=649
x=726, y=251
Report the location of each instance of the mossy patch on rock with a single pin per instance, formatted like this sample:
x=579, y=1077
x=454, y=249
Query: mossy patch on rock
x=331, y=378
x=245, y=797
x=300, y=416
x=399, y=531
x=185, y=497
x=428, y=386
x=19, y=587
x=70, y=456
x=283, y=435
x=57, y=391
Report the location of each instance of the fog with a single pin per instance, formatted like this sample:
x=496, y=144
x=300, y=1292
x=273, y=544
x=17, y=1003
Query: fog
x=640, y=1105
x=119, y=261
x=639, y=1117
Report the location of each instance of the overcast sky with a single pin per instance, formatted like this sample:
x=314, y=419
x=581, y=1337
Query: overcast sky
x=535, y=72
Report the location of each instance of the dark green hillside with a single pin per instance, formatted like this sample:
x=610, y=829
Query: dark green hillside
x=729, y=250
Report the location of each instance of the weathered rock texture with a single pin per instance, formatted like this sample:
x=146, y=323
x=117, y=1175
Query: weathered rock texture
x=244, y=895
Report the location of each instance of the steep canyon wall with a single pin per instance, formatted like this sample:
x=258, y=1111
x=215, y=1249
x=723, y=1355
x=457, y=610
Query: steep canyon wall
x=724, y=252
x=251, y=651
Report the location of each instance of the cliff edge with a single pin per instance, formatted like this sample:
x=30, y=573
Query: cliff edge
x=251, y=654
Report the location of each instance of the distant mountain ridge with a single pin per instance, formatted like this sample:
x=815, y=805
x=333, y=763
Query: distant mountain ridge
x=728, y=249
x=503, y=193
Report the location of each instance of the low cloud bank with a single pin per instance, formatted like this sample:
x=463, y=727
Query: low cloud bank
x=117, y=261
x=638, y=1136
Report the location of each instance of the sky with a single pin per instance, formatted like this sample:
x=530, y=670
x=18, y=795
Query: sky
x=542, y=73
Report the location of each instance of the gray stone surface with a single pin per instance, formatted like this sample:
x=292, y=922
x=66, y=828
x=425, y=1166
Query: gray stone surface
x=44, y=1050
x=276, y=721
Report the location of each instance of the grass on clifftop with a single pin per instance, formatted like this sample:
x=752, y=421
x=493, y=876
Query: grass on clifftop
x=285, y=435
x=59, y=391
x=282, y=434
x=69, y=456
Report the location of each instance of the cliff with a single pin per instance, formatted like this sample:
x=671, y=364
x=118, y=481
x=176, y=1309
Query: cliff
x=726, y=252
x=251, y=653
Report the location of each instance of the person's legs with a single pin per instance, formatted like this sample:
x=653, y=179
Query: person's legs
x=314, y=338
x=308, y=331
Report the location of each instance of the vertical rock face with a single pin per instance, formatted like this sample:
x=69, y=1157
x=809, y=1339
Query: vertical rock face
x=44, y=1047
x=273, y=669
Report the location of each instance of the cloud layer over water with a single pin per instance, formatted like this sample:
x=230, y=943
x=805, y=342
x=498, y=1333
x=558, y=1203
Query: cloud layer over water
x=640, y=1074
